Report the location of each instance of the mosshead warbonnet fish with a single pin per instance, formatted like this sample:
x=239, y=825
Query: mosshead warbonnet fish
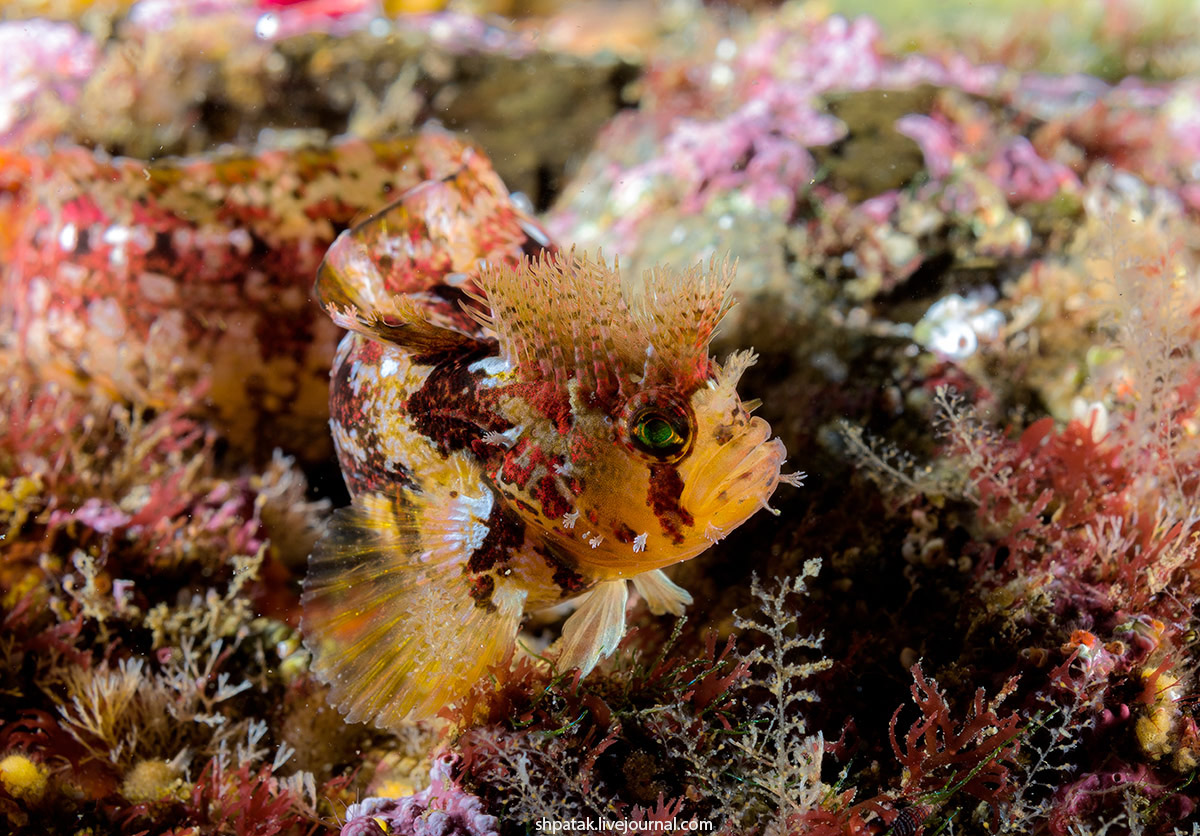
x=515, y=436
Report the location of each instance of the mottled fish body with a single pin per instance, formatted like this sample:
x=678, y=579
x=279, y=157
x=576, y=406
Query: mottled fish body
x=515, y=431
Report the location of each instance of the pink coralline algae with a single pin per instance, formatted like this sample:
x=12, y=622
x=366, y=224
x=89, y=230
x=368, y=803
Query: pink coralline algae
x=441, y=809
x=43, y=66
x=763, y=136
x=936, y=141
x=743, y=132
x=147, y=278
x=1080, y=800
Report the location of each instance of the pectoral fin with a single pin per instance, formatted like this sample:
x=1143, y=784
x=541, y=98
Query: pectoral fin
x=661, y=593
x=595, y=629
x=396, y=627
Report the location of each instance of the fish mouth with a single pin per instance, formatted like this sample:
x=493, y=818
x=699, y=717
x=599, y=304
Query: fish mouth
x=736, y=479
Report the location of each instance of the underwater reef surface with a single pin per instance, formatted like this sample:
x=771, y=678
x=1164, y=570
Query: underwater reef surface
x=966, y=258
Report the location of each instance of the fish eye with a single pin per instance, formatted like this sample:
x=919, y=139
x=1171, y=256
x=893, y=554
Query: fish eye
x=654, y=433
x=658, y=424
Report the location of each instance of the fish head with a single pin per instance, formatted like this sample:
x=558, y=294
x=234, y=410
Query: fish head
x=635, y=450
x=671, y=472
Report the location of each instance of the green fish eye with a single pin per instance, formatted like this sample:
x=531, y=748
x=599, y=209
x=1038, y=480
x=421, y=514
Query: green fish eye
x=655, y=434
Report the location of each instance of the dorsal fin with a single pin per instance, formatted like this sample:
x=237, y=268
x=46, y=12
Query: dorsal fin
x=569, y=316
x=349, y=288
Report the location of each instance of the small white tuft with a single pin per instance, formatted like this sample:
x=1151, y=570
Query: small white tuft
x=570, y=519
x=714, y=534
x=498, y=439
x=735, y=366
x=639, y=542
x=1092, y=415
x=595, y=542
x=796, y=480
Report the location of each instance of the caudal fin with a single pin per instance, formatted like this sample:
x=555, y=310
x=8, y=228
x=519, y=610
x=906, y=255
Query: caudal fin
x=403, y=274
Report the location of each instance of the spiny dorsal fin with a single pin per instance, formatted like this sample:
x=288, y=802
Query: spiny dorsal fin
x=376, y=277
x=566, y=316
x=681, y=311
x=400, y=274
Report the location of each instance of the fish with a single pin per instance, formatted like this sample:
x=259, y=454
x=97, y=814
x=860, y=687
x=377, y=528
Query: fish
x=146, y=279
x=524, y=432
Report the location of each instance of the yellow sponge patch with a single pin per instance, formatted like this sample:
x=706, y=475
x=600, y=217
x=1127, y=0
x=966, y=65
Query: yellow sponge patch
x=22, y=777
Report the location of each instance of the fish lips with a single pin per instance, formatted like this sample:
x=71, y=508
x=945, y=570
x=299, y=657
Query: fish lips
x=737, y=479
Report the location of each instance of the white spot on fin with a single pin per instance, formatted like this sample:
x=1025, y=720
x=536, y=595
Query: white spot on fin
x=494, y=369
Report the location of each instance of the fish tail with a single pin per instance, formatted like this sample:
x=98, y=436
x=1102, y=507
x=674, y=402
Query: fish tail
x=402, y=274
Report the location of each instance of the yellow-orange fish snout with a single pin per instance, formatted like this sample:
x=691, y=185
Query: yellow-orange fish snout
x=736, y=479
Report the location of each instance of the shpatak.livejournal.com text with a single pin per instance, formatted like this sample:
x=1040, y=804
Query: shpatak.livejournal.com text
x=598, y=825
